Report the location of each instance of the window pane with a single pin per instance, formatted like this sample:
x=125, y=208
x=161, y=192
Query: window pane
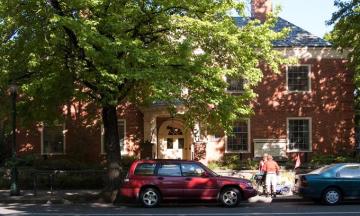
x=238, y=140
x=192, y=170
x=298, y=78
x=169, y=143
x=53, y=139
x=121, y=131
x=350, y=172
x=180, y=143
x=145, y=169
x=169, y=170
x=299, y=134
x=235, y=84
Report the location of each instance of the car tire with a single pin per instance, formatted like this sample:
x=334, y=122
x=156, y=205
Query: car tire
x=150, y=197
x=331, y=196
x=230, y=197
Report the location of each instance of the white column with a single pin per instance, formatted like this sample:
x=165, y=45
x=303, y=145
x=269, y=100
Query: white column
x=150, y=133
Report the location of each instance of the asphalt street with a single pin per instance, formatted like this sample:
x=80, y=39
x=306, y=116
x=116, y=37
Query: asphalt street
x=180, y=209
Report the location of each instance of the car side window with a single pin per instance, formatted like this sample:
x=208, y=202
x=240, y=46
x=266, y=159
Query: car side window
x=145, y=169
x=192, y=169
x=349, y=172
x=169, y=170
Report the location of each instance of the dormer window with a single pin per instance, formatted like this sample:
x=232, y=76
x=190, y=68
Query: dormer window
x=235, y=85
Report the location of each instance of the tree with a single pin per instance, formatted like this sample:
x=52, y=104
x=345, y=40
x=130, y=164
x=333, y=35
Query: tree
x=109, y=51
x=346, y=36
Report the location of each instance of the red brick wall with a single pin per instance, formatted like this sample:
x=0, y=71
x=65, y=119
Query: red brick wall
x=83, y=133
x=329, y=104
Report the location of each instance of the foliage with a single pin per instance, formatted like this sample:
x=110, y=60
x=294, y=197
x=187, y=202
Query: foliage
x=142, y=51
x=233, y=162
x=27, y=160
x=126, y=162
x=322, y=159
x=346, y=36
x=107, y=52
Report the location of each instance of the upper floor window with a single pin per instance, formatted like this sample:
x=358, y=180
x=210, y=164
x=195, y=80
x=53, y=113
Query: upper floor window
x=122, y=132
x=298, y=78
x=53, y=139
x=235, y=84
x=239, y=139
x=299, y=134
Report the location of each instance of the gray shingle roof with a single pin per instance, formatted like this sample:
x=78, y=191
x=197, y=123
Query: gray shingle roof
x=297, y=37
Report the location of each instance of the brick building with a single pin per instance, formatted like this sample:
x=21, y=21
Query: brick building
x=307, y=108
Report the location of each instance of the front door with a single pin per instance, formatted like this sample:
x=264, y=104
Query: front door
x=174, y=141
x=174, y=147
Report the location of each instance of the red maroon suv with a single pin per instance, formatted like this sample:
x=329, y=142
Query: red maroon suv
x=151, y=181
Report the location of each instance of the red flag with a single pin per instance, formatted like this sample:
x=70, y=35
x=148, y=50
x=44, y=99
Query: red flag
x=298, y=162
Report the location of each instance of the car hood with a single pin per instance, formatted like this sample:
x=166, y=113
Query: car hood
x=232, y=179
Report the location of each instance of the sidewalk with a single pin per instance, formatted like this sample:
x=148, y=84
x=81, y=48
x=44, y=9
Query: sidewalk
x=91, y=196
x=48, y=197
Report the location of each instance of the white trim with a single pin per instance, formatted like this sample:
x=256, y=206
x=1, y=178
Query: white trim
x=249, y=139
x=310, y=134
x=124, y=152
x=309, y=78
x=42, y=139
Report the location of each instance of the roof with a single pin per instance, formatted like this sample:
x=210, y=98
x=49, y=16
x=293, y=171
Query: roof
x=297, y=37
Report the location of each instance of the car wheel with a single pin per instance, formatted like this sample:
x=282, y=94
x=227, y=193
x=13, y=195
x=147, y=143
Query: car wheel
x=230, y=197
x=150, y=197
x=331, y=196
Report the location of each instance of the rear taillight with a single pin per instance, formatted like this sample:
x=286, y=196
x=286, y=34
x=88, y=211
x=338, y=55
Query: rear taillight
x=303, y=181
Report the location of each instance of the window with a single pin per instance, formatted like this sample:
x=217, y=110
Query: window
x=298, y=78
x=239, y=139
x=53, y=139
x=181, y=143
x=349, y=172
x=169, y=143
x=122, y=134
x=235, y=84
x=191, y=169
x=169, y=170
x=299, y=134
x=145, y=169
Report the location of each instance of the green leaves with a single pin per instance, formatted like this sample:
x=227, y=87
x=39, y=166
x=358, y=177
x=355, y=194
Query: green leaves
x=178, y=52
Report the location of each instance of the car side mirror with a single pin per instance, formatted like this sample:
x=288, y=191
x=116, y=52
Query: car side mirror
x=205, y=175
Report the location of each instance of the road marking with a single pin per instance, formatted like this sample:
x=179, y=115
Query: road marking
x=196, y=214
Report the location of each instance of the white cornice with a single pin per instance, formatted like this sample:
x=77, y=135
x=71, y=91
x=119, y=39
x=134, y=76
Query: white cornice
x=313, y=53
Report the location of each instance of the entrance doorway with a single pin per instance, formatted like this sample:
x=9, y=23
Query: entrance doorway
x=174, y=142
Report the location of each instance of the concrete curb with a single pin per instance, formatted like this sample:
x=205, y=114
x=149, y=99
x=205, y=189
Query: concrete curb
x=59, y=200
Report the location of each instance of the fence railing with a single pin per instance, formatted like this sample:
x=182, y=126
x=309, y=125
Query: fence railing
x=53, y=174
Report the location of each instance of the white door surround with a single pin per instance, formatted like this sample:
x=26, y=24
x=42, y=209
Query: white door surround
x=174, y=141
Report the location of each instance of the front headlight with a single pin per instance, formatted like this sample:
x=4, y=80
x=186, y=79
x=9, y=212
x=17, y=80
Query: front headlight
x=248, y=184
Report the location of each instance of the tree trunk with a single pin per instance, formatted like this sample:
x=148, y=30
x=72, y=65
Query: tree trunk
x=112, y=149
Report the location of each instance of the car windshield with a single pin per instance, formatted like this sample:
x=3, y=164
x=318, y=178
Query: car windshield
x=211, y=172
x=322, y=169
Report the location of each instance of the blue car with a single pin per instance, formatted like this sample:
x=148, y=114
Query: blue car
x=330, y=184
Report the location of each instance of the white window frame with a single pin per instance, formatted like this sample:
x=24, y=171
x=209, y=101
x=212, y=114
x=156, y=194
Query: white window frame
x=249, y=140
x=309, y=78
x=102, y=150
x=42, y=139
x=287, y=134
x=233, y=91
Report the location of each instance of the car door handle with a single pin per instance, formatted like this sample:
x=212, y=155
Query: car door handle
x=161, y=178
x=188, y=179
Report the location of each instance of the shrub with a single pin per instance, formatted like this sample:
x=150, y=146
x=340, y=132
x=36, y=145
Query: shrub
x=233, y=161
